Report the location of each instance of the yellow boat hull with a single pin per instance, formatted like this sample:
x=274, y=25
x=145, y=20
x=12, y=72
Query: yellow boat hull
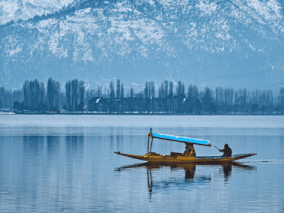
x=183, y=159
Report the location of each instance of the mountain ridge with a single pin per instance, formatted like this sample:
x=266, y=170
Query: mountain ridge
x=179, y=40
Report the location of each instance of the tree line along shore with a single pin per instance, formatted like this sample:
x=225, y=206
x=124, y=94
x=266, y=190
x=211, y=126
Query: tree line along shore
x=167, y=98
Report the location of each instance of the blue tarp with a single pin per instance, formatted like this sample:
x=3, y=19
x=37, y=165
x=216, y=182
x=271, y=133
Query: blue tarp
x=182, y=139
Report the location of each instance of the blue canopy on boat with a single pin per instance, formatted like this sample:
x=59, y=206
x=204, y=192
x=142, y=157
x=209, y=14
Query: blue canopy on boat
x=181, y=139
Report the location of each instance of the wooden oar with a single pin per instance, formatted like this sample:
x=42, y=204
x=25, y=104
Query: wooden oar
x=217, y=148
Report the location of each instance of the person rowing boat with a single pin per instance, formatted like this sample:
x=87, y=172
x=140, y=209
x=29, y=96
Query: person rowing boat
x=227, y=151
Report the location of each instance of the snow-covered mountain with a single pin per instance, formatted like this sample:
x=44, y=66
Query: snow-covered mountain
x=15, y=10
x=236, y=43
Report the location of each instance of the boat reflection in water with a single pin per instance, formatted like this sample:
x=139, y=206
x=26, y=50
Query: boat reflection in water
x=190, y=179
x=227, y=170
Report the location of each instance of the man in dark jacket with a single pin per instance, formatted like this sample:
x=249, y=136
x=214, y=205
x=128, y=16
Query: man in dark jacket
x=227, y=151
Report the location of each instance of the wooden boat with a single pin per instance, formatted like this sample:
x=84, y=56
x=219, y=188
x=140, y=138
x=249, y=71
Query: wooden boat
x=176, y=157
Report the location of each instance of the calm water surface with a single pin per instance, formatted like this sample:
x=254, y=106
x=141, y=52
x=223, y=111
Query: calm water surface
x=65, y=163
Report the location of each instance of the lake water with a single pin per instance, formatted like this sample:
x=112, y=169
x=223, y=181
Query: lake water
x=66, y=163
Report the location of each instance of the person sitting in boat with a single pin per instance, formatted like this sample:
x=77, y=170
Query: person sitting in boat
x=227, y=151
x=189, y=150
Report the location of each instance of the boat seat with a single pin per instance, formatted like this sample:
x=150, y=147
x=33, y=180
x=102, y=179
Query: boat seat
x=154, y=154
x=176, y=154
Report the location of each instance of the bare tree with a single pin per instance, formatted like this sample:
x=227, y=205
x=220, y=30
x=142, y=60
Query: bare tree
x=152, y=95
x=26, y=93
x=74, y=94
x=180, y=96
x=81, y=95
x=68, y=95
x=171, y=95
x=53, y=91
x=208, y=101
x=147, y=96
x=112, y=92
x=121, y=97
x=281, y=92
x=131, y=99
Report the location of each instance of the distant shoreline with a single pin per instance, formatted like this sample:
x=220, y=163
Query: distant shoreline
x=148, y=114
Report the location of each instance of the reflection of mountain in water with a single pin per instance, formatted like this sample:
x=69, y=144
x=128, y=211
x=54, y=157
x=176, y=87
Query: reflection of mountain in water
x=190, y=179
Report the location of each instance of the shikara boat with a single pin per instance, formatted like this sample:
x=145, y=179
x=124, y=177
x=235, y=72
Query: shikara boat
x=175, y=157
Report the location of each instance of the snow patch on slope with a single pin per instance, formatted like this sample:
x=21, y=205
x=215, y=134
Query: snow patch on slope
x=95, y=33
x=269, y=10
x=13, y=47
x=14, y=10
x=206, y=7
